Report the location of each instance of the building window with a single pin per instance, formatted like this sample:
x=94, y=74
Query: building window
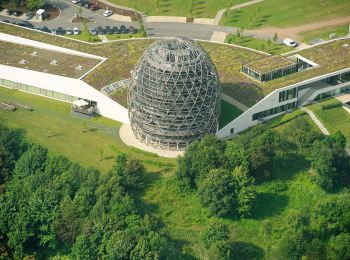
x=287, y=94
x=274, y=111
x=232, y=130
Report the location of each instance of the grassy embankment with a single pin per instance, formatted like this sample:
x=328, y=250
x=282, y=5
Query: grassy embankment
x=286, y=13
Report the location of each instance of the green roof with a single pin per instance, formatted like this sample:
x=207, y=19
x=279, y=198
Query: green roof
x=330, y=57
x=269, y=64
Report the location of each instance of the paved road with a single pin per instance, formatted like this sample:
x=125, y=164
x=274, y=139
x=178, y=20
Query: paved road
x=197, y=31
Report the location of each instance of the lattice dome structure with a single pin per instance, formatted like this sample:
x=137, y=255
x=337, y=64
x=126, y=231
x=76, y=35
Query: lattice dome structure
x=174, y=94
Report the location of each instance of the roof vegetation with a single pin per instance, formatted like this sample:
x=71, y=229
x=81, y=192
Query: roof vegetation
x=43, y=60
x=270, y=64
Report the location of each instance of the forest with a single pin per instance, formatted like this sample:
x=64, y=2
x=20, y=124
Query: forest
x=53, y=208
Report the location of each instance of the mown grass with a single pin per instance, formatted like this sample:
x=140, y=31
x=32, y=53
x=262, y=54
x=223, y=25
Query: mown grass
x=89, y=142
x=112, y=37
x=324, y=33
x=188, y=8
x=258, y=44
x=335, y=119
x=286, y=13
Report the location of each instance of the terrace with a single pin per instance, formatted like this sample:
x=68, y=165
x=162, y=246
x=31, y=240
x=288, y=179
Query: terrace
x=43, y=60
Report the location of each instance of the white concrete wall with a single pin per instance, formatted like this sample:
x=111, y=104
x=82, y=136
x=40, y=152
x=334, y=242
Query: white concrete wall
x=69, y=86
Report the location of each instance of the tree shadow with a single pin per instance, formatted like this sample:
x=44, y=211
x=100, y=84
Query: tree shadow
x=245, y=251
x=269, y=204
x=285, y=167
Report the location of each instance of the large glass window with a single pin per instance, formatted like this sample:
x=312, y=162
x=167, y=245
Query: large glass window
x=274, y=111
x=287, y=94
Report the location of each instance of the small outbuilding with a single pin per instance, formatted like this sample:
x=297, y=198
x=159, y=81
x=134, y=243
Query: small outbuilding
x=40, y=14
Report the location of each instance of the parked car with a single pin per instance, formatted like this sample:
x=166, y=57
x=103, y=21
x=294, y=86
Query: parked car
x=93, y=31
x=54, y=31
x=60, y=31
x=100, y=30
x=108, y=30
x=45, y=29
x=290, y=42
x=81, y=3
x=69, y=31
x=29, y=15
x=107, y=13
x=26, y=24
x=75, y=1
x=87, y=5
x=76, y=31
x=10, y=12
x=93, y=7
x=6, y=21
x=123, y=29
x=17, y=13
x=132, y=29
x=116, y=30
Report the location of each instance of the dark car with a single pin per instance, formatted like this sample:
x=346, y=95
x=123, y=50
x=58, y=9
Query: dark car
x=45, y=29
x=116, y=30
x=26, y=24
x=60, y=31
x=87, y=5
x=132, y=29
x=93, y=7
x=100, y=30
x=17, y=13
x=6, y=21
x=123, y=29
x=10, y=12
x=108, y=30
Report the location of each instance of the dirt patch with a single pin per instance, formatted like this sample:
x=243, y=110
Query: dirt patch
x=293, y=32
x=81, y=19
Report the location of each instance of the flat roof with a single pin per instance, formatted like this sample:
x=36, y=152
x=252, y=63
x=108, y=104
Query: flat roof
x=330, y=56
x=269, y=64
x=44, y=60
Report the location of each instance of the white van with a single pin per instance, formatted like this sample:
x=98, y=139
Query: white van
x=290, y=42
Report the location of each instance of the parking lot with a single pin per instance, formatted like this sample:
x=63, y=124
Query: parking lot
x=63, y=24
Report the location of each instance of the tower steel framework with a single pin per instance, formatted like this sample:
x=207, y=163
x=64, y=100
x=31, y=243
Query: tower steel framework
x=174, y=94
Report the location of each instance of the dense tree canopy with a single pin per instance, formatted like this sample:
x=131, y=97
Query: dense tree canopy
x=50, y=204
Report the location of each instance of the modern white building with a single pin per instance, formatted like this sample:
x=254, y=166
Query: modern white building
x=331, y=65
x=288, y=82
x=63, y=88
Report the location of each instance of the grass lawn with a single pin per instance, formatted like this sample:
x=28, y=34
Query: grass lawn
x=188, y=8
x=258, y=44
x=228, y=113
x=120, y=96
x=335, y=119
x=281, y=13
x=84, y=141
x=340, y=30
